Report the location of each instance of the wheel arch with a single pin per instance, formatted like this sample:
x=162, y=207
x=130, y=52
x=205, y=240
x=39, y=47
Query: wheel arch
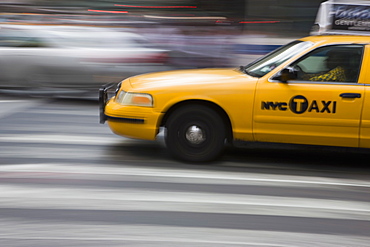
x=225, y=117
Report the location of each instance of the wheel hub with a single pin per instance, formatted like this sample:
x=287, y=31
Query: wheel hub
x=195, y=135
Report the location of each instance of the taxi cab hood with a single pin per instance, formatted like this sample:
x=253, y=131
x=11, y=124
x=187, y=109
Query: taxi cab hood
x=192, y=78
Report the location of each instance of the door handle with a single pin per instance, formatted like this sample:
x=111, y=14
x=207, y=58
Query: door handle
x=350, y=95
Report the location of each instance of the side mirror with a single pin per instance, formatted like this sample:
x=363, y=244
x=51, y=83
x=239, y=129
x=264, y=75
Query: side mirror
x=286, y=74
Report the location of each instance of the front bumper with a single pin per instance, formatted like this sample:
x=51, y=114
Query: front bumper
x=128, y=121
x=103, y=99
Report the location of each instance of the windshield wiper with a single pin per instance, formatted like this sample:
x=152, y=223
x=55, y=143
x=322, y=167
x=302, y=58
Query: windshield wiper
x=245, y=71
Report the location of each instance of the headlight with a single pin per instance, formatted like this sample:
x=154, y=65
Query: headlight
x=136, y=99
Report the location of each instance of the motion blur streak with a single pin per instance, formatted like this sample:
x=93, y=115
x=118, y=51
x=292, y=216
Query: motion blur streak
x=106, y=11
x=158, y=7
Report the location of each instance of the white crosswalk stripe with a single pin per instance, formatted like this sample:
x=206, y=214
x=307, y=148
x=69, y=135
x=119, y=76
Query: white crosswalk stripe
x=128, y=199
x=170, y=236
x=60, y=139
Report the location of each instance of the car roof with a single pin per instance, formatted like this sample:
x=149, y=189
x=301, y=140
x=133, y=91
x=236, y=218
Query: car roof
x=329, y=39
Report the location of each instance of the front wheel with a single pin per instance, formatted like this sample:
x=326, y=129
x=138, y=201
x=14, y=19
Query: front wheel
x=195, y=133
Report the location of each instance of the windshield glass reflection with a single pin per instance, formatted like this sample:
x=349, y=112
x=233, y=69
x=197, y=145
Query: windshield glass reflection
x=275, y=58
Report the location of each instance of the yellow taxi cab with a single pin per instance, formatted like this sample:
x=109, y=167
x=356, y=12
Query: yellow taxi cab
x=314, y=90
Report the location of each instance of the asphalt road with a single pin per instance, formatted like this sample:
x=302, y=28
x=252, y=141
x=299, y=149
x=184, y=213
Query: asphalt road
x=66, y=180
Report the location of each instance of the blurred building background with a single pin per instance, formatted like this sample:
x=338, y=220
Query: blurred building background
x=275, y=16
x=179, y=34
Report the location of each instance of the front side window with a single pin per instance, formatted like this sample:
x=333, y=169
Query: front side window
x=336, y=63
x=277, y=57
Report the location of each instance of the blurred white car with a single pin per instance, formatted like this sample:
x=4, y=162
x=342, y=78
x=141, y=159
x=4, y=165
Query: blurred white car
x=72, y=59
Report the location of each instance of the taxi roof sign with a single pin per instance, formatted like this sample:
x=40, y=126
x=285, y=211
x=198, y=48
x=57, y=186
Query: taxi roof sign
x=343, y=17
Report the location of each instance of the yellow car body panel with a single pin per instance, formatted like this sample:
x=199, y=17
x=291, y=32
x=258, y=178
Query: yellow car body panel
x=258, y=108
x=133, y=128
x=329, y=120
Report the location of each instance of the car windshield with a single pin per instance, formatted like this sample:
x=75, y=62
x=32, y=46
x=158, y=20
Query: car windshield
x=267, y=63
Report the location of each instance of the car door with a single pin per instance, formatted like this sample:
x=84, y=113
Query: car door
x=365, y=118
x=311, y=112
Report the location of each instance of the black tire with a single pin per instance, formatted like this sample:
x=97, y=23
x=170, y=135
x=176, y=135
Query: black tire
x=195, y=133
